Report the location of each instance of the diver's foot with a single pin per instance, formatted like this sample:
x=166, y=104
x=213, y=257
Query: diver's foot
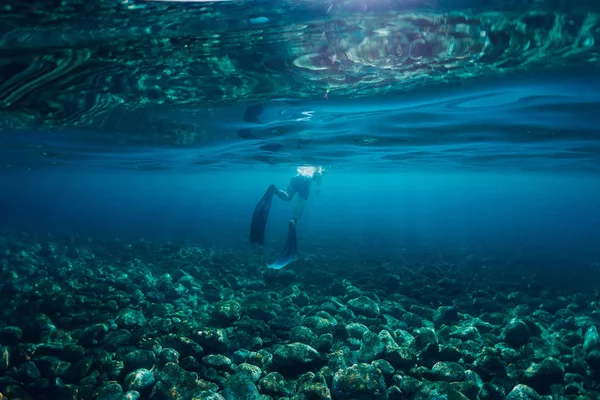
x=272, y=189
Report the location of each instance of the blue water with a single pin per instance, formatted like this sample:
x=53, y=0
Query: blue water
x=357, y=213
x=504, y=165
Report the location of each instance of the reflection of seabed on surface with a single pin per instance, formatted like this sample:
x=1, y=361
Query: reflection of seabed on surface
x=196, y=1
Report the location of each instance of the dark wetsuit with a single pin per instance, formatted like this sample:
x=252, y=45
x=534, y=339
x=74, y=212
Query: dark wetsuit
x=299, y=184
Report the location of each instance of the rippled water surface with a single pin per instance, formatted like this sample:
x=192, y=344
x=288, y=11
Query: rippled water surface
x=379, y=84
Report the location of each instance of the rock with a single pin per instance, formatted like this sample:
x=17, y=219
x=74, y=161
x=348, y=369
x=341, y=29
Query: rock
x=448, y=371
x=240, y=356
x=482, y=326
x=425, y=336
x=131, y=395
x=409, y=385
x=295, y=354
x=217, y=361
x=572, y=339
x=324, y=343
x=262, y=311
x=13, y=391
x=28, y=372
x=110, y=391
x=465, y=333
x=259, y=358
x=516, y=333
x=168, y=355
x=5, y=358
x=353, y=344
x=213, y=340
x=523, y=392
x=412, y=320
x=438, y=390
x=387, y=339
x=66, y=352
x=591, y=340
x=400, y=357
x=341, y=360
x=252, y=371
x=240, y=386
x=227, y=311
x=320, y=323
x=429, y=355
x=190, y=363
x=404, y=338
x=183, y=345
x=302, y=334
x=489, y=367
x=80, y=369
x=392, y=309
x=312, y=386
x=114, y=369
x=356, y=330
x=10, y=335
x=449, y=353
x=92, y=335
x=359, y=382
x=172, y=381
x=424, y=312
x=593, y=359
x=371, y=347
x=66, y=392
x=129, y=319
x=365, y=306
x=206, y=395
x=112, y=306
x=139, y=359
x=395, y=393
x=472, y=385
x=385, y=367
x=298, y=298
x=340, y=332
x=52, y=367
x=445, y=315
x=114, y=340
x=274, y=385
x=140, y=380
x=549, y=371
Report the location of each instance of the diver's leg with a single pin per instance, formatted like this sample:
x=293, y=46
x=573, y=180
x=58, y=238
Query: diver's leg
x=283, y=195
x=299, y=208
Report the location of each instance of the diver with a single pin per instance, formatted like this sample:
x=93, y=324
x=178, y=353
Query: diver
x=301, y=184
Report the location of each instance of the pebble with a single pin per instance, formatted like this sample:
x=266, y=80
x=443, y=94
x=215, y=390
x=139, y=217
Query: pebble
x=523, y=392
x=293, y=354
x=516, y=333
x=365, y=306
x=139, y=380
x=193, y=334
x=448, y=371
x=359, y=382
x=252, y=371
x=591, y=340
x=139, y=359
x=110, y=391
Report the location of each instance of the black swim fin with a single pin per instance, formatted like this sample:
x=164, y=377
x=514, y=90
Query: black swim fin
x=260, y=216
x=289, y=251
